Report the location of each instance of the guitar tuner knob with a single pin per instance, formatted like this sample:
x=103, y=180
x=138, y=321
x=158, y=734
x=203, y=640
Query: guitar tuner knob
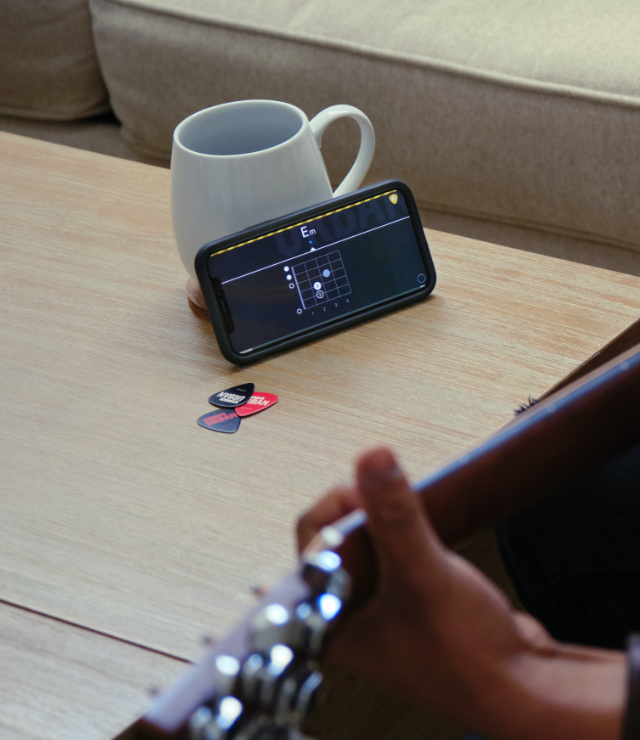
x=199, y=720
x=250, y=676
x=313, y=627
x=329, y=606
x=323, y=573
x=274, y=625
x=308, y=695
x=227, y=669
x=205, y=724
x=280, y=658
x=297, y=695
x=262, y=675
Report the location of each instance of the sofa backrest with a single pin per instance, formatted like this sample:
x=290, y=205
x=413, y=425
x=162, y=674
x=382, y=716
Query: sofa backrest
x=48, y=64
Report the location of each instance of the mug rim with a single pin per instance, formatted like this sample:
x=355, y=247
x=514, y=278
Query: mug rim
x=239, y=104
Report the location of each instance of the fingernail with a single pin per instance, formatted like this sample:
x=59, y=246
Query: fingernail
x=381, y=469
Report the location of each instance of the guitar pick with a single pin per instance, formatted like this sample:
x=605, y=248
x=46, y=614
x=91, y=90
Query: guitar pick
x=221, y=420
x=258, y=402
x=232, y=397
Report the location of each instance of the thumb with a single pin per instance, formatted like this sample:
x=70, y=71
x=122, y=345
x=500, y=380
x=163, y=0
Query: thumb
x=406, y=544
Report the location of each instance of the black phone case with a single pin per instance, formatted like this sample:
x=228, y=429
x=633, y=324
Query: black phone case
x=290, y=219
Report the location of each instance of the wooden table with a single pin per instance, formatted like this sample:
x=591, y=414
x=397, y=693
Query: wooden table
x=127, y=532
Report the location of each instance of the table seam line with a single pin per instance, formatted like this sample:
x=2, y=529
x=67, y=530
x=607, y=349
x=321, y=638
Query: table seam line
x=94, y=631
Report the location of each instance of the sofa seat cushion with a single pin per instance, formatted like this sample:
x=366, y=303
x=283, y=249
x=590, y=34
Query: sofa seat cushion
x=48, y=64
x=524, y=112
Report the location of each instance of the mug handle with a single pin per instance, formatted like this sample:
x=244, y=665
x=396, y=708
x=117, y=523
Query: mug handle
x=367, y=142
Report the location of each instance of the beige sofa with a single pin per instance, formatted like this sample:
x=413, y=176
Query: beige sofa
x=514, y=121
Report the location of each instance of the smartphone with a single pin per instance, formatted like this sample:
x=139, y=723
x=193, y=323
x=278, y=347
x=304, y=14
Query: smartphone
x=316, y=271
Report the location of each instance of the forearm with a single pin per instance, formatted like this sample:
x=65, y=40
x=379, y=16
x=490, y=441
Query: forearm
x=574, y=693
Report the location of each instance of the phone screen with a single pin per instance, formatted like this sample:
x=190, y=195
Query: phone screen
x=300, y=277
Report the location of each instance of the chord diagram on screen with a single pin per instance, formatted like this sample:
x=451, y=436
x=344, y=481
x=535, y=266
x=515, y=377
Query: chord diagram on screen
x=321, y=279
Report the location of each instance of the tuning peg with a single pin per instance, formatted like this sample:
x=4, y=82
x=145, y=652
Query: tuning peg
x=323, y=572
x=249, y=675
x=279, y=659
x=274, y=625
x=308, y=694
x=259, y=727
x=313, y=627
x=227, y=669
x=298, y=694
x=205, y=724
x=199, y=721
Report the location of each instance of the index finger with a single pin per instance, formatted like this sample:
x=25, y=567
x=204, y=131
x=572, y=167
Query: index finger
x=339, y=502
x=405, y=542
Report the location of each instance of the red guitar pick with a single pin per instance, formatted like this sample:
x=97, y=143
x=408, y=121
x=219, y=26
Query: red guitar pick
x=257, y=402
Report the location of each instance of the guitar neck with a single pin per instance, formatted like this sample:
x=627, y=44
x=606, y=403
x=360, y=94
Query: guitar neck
x=571, y=430
x=577, y=428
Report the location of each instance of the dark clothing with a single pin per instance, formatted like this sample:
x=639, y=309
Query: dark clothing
x=574, y=557
x=574, y=560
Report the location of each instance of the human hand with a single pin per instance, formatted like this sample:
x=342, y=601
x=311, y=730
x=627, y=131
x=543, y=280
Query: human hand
x=439, y=633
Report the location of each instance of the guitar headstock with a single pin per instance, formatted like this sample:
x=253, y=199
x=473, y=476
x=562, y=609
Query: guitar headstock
x=261, y=681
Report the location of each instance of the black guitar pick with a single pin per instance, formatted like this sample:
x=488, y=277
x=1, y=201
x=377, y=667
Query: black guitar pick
x=221, y=420
x=232, y=397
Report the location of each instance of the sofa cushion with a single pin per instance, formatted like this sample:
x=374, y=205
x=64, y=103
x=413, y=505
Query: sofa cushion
x=100, y=134
x=48, y=64
x=522, y=112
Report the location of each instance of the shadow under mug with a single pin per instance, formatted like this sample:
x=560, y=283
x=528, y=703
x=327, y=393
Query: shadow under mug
x=238, y=164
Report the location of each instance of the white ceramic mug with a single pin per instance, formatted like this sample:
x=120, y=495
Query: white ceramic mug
x=238, y=164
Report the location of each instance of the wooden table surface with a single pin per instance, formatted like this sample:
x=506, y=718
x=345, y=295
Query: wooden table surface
x=127, y=532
